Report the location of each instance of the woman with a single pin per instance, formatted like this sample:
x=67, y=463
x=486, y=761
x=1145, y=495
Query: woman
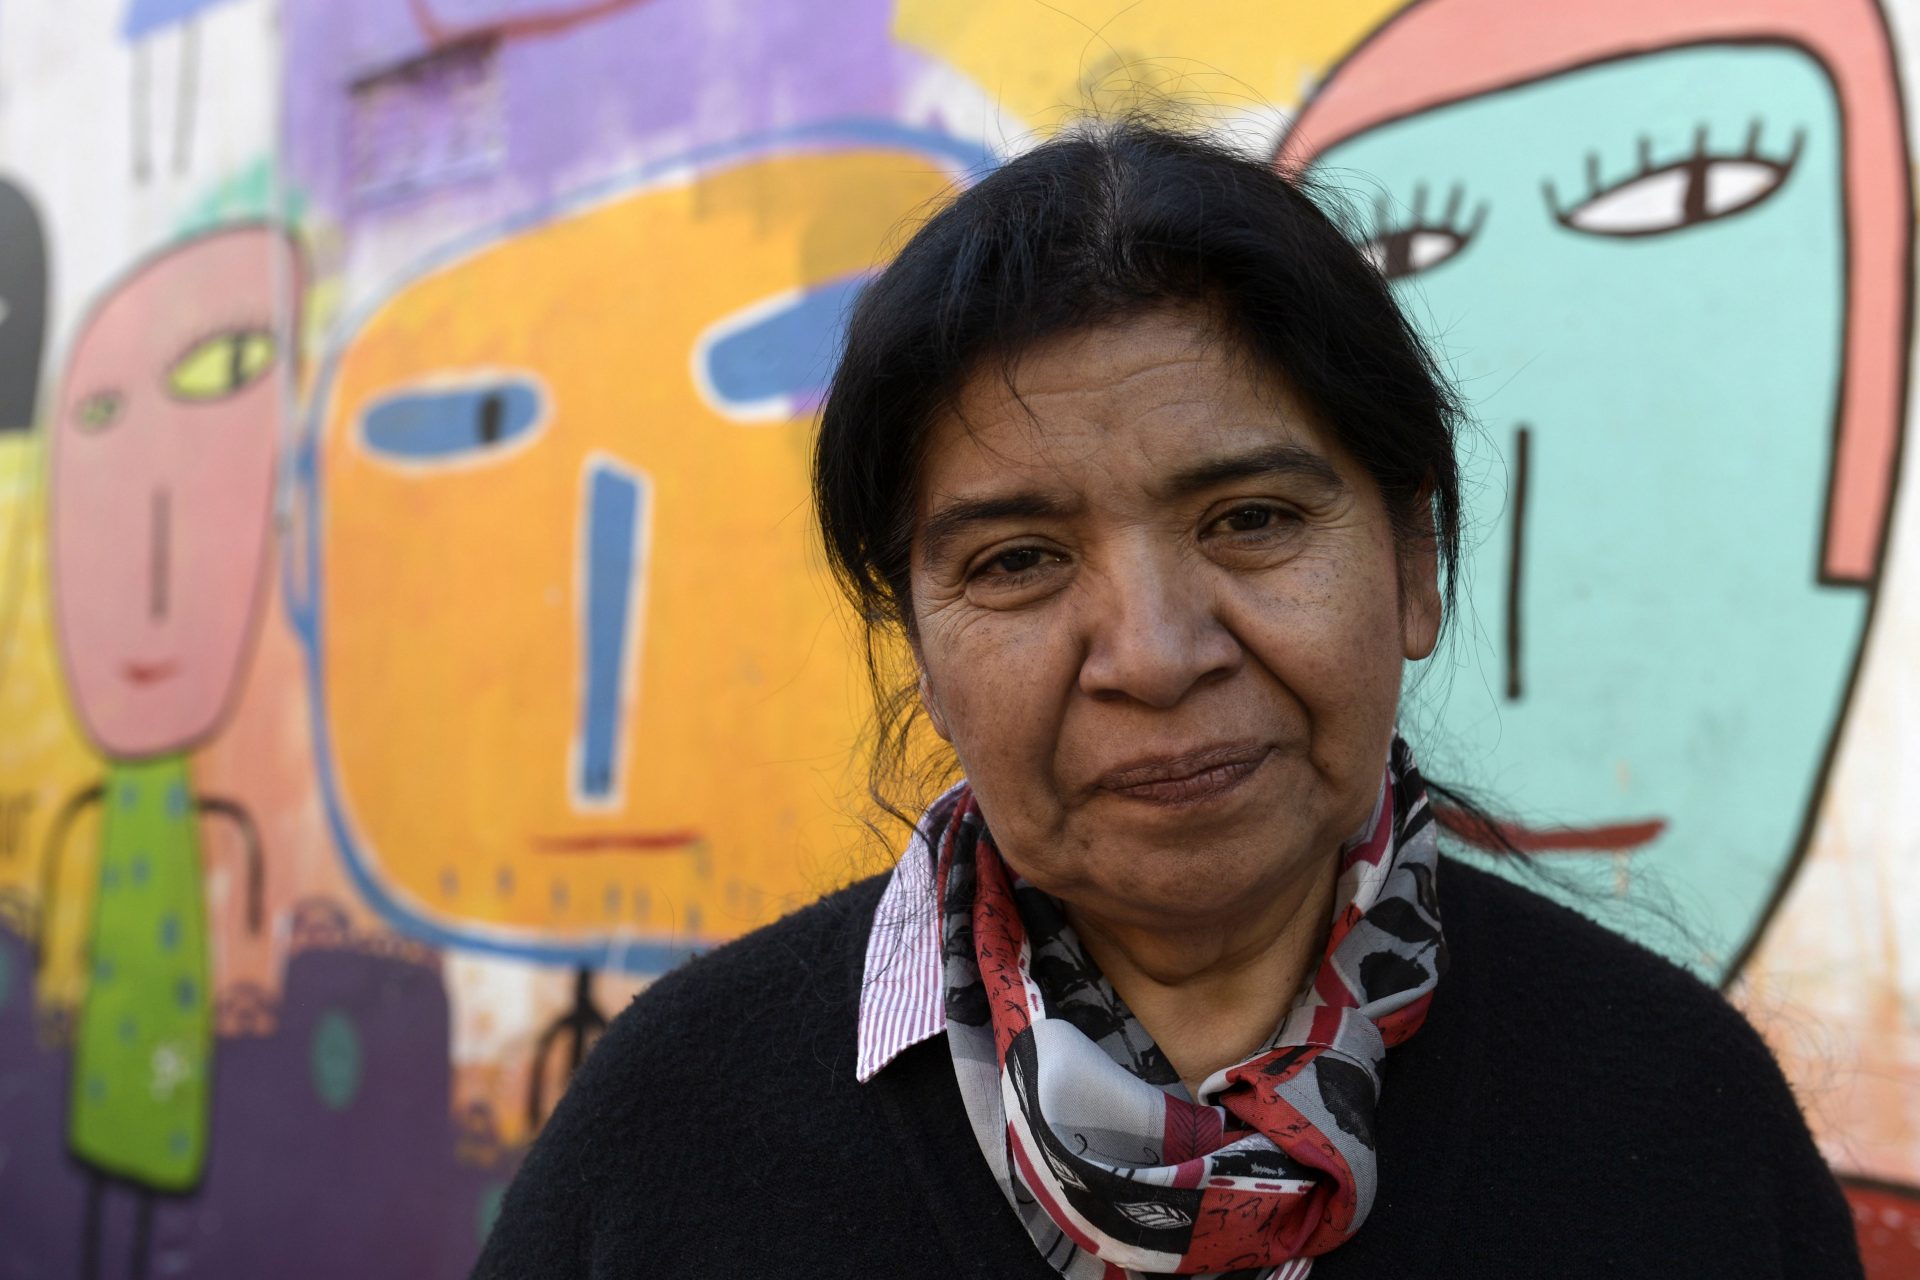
x=1135, y=451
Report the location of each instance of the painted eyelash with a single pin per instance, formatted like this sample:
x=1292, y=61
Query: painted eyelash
x=1385, y=225
x=1700, y=155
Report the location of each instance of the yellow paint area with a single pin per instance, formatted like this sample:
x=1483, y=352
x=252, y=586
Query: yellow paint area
x=1044, y=61
x=43, y=759
x=452, y=639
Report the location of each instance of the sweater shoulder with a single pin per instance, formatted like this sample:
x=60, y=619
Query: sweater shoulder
x=1518, y=931
x=1551, y=976
x=779, y=976
x=1604, y=1074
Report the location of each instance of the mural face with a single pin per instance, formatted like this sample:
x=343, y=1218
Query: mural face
x=164, y=439
x=1636, y=272
x=599, y=689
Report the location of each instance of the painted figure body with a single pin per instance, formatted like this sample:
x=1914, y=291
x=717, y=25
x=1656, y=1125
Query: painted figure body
x=142, y=1069
x=164, y=447
x=1663, y=250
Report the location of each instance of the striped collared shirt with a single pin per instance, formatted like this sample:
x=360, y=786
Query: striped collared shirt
x=903, y=1000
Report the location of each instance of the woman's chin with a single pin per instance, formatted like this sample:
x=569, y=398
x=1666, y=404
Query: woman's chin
x=1186, y=885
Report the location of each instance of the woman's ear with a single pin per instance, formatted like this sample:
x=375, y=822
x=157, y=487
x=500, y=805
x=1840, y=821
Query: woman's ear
x=1420, y=618
x=1420, y=607
x=932, y=706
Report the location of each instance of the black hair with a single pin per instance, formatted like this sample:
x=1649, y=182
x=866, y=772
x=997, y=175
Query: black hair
x=1108, y=220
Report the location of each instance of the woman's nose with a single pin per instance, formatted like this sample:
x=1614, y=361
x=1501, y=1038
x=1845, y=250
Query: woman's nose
x=1153, y=633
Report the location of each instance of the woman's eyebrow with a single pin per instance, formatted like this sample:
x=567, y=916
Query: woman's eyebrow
x=1268, y=460
x=946, y=524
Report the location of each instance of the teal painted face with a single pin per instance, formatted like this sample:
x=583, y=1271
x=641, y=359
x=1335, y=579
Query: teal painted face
x=1636, y=273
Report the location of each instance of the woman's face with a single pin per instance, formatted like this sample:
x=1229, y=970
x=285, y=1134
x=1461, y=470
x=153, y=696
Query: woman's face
x=1161, y=619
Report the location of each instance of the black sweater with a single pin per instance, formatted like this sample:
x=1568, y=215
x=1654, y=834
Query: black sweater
x=1573, y=1106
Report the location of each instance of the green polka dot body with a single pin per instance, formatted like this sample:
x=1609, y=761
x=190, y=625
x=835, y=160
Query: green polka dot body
x=142, y=1064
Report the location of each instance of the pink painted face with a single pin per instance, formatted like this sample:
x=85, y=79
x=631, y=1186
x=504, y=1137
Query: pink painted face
x=161, y=495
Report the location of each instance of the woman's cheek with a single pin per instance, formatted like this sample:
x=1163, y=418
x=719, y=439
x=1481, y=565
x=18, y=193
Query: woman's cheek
x=1330, y=643
x=1002, y=684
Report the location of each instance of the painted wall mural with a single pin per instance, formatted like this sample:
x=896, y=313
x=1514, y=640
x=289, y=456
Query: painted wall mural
x=23, y=332
x=160, y=489
x=411, y=641
x=1671, y=198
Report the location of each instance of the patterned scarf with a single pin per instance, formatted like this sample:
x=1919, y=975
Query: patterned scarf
x=1111, y=1165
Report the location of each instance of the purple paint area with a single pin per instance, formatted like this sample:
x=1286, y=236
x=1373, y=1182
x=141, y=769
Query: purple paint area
x=332, y=1154
x=475, y=13
x=41, y=1195
x=654, y=79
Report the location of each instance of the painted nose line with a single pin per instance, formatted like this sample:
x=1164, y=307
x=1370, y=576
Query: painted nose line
x=1516, y=560
x=158, y=554
x=613, y=552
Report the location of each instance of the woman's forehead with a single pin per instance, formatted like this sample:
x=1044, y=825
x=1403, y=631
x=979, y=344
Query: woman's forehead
x=1134, y=400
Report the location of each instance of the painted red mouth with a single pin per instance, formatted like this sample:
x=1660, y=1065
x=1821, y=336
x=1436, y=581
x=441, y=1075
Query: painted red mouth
x=145, y=673
x=1618, y=837
x=618, y=842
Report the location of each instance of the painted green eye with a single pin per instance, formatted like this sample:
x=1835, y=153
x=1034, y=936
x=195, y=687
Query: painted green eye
x=221, y=365
x=99, y=410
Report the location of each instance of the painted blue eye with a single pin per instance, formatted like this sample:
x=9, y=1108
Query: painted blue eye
x=452, y=423
x=773, y=359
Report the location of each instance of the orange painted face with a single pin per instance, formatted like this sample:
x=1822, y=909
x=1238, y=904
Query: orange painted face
x=578, y=664
x=164, y=438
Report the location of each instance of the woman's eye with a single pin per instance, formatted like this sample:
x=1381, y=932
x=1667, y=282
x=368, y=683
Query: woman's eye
x=221, y=365
x=1017, y=561
x=1702, y=187
x=1251, y=519
x=1248, y=519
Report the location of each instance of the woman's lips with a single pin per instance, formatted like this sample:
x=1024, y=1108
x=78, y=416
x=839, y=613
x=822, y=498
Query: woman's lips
x=1185, y=777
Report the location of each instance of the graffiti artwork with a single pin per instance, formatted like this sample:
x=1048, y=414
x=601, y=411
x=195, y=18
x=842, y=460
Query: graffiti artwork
x=23, y=308
x=1692, y=237
x=1678, y=292
x=610, y=518
x=371, y=726
x=146, y=26
x=599, y=512
x=164, y=437
x=23, y=330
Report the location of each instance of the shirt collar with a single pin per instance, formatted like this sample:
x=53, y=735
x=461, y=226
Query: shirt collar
x=902, y=996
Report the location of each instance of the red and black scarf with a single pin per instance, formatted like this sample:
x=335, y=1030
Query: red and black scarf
x=1109, y=1162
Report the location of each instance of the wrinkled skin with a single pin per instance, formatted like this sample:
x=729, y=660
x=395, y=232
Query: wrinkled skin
x=1173, y=692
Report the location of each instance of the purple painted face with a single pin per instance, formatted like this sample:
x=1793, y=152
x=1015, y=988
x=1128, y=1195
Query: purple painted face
x=164, y=439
